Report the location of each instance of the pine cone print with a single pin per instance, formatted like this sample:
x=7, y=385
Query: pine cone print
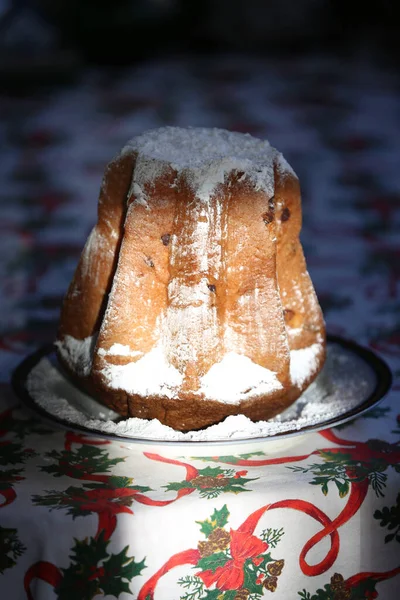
x=337, y=582
x=217, y=541
x=344, y=594
x=220, y=538
x=242, y=594
x=270, y=583
x=205, y=549
x=206, y=481
x=275, y=568
x=338, y=587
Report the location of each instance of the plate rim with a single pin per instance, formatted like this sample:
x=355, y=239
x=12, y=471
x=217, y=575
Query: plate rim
x=384, y=379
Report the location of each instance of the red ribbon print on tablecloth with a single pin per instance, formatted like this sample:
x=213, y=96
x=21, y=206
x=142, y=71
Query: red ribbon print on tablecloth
x=243, y=543
x=46, y=572
x=243, y=546
x=100, y=501
x=359, y=451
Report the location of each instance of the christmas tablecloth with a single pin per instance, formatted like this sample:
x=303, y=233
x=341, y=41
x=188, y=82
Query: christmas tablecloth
x=314, y=518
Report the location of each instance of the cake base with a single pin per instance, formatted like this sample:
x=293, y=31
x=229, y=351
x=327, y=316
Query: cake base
x=353, y=380
x=188, y=413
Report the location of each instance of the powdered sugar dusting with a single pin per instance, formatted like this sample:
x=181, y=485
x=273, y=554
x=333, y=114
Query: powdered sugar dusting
x=191, y=323
x=140, y=197
x=78, y=354
x=150, y=375
x=237, y=378
x=304, y=363
x=293, y=332
x=205, y=156
x=119, y=350
x=283, y=166
x=343, y=384
x=96, y=245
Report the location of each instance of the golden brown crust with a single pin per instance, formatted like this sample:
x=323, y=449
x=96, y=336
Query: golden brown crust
x=253, y=310
x=143, y=264
x=303, y=316
x=83, y=306
x=138, y=296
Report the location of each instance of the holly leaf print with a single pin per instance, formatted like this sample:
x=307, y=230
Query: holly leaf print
x=119, y=569
x=175, y=486
x=115, y=483
x=12, y=454
x=74, y=498
x=115, y=587
x=390, y=518
x=214, y=471
x=93, y=570
x=89, y=553
x=229, y=458
x=249, y=579
x=339, y=469
x=78, y=463
x=9, y=476
x=343, y=487
x=218, y=519
x=211, y=563
x=129, y=567
x=10, y=548
x=324, y=486
x=206, y=527
x=335, y=456
x=70, y=499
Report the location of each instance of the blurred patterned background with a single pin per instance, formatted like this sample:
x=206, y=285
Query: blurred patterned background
x=319, y=79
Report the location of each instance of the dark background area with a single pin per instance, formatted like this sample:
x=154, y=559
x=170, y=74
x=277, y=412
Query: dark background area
x=41, y=39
